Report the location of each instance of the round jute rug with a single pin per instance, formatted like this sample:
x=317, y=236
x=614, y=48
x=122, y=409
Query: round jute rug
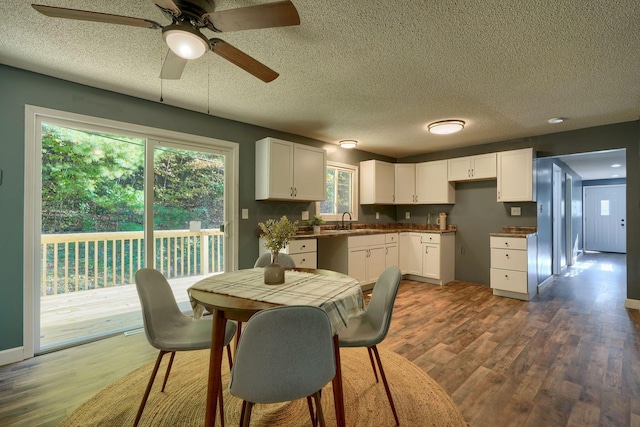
x=419, y=399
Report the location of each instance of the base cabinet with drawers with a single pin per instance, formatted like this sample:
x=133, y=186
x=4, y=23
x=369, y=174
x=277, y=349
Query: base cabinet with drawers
x=513, y=266
x=302, y=251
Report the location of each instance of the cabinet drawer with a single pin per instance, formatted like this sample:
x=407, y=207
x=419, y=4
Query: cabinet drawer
x=509, y=259
x=374, y=239
x=508, y=242
x=391, y=238
x=509, y=280
x=430, y=238
x=304, y=245
x=305, y=260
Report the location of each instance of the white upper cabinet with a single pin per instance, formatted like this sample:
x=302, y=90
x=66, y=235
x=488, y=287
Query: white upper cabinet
x=377, y=183
x=472, y=168
x=516, y=176
x=423, y=183
x=432, y=183
x=405, y=183
x=289, y=171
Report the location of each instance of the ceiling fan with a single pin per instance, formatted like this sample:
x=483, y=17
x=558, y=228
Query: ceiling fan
x=183, y=35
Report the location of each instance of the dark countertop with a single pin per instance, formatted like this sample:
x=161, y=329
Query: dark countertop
x=513, y=231
x=364, y=229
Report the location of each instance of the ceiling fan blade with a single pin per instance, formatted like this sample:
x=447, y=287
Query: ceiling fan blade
x=173, y=66
x=84, y=15
x=169, y=6
x=278, y=14
x=242, y=60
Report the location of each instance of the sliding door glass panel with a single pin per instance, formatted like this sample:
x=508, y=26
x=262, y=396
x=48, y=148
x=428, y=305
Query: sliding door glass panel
x=91, y=235
x=188, y=215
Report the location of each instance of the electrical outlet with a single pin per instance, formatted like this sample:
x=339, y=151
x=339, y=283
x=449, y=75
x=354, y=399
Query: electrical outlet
x=245, y=213
x=516, y=211
x=305, y=215
x=407, y=215
x=377, y=215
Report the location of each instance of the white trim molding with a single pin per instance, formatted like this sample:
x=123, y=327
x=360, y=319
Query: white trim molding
x=11, y=355
x=632, y=303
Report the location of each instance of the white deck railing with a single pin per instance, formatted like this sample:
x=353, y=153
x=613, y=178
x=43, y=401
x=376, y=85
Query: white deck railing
x=80, y=261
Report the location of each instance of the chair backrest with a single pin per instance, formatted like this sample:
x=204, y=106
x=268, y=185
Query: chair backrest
x=285, y=353
x=283, y=259
x=380, y=307
x=160, y=311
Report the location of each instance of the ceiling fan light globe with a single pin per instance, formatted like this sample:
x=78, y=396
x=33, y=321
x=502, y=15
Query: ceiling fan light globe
x=185, y=44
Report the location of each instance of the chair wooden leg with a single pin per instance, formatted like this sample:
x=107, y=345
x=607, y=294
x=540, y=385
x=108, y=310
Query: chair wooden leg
x=311, y=412
x=386, y=385
x=166, y=374
x=149, y=385
x=319, y=414
x=248, y=407
x=229, y=357
x=373, y=365
x=244, y=408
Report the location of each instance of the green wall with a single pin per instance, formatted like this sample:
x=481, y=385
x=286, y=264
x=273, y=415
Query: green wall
x=19, y=87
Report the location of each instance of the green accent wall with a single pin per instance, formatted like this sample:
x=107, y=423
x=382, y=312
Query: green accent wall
x=476, y=212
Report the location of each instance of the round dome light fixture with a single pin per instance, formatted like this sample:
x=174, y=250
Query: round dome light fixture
x=555, y=120
x=348, y=143
x=446, y=127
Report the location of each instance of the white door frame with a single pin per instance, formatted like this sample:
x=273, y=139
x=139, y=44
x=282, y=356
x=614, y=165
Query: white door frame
x=32, y=197
x=557, y=220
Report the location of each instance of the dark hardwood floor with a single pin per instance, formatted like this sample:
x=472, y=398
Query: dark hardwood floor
x=569, y=357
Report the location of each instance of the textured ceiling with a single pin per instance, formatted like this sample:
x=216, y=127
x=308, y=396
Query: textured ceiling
x=376, y=71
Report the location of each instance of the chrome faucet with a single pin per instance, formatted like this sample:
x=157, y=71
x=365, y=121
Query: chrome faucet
x=343, y=214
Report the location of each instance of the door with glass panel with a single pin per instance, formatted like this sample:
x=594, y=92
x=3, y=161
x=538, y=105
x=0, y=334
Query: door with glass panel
x=100, y=191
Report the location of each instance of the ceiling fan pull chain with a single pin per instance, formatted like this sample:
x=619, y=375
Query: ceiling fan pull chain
x=208, y=86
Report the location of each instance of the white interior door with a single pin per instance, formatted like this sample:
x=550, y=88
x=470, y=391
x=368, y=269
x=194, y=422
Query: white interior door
x=605, y=218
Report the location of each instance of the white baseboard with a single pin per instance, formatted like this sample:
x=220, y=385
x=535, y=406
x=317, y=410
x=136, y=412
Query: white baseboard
x=545, y=284
x=11, y=355
x=632, y=303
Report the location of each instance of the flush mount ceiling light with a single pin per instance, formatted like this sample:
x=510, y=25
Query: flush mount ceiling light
x=184, y=41
x=616, y=165
x=348, y=143
x=555, y=120
x=445, y=127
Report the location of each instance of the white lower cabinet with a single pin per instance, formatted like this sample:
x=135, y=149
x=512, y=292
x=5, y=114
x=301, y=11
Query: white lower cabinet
x=513, y=266
x=391, y=249
x=428, y=257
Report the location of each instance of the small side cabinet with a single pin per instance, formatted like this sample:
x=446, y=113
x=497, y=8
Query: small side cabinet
x=513, y=266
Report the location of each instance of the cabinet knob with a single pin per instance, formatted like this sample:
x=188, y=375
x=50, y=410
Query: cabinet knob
x=507, y=255
x=506, y=276
x=304, y=246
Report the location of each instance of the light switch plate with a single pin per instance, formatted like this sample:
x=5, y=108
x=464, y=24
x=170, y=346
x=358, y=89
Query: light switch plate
x=407, y=215
x=516, y=211
x=245, y=213
x=377, y=215
x=305, y=215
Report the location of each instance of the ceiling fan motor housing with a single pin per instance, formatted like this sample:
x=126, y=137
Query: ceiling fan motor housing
x=194, y=10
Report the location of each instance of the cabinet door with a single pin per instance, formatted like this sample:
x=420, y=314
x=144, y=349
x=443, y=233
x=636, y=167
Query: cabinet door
x=405, y=183
x=375, y=263
x=432, y=183
x=377, y=182
x=358, y=264
x=410, y=254
x=274, y=169
x=391, y=256
x=431, y=261
x=459, y=169
x=515, y=176
x=309, y=173
x=483, y=166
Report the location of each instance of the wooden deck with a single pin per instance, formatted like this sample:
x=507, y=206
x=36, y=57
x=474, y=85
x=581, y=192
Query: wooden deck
x=89, y=314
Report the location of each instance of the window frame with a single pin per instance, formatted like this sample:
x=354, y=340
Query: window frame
x=355, y=184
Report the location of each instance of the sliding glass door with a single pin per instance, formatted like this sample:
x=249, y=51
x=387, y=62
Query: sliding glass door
x=111, y=203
